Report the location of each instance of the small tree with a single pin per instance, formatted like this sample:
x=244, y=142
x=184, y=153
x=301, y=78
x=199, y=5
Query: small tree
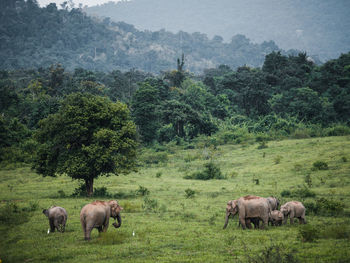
x=88, y=137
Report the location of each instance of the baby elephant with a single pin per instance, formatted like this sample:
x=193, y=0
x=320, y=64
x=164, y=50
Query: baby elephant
x=276, y=218
x=57, y=218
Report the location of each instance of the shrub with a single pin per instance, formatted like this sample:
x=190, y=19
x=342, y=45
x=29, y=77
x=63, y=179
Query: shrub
x=142, y=191
x=154, y=158
x=61, y=193
x=320, y=165
x=308, y=233
x=336, y=232
x=11, y=214
x=158, y=174
x=339, y=130
x=98, y=192
x=308, y=180
x=275, y=253
x=150, y=204
x=277, y=159
x=324, y=207
x=303, y=192
x=285, y=193
x=262, y=145
x=189, y=193
x=211, y=171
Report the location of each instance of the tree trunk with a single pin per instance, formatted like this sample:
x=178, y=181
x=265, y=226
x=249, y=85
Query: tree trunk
x=89, y=183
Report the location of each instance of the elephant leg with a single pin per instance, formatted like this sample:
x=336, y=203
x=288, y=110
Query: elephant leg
x=264, y=222
x=291, y=216
x=242, y=221
x=52, y=225
x=249, y=225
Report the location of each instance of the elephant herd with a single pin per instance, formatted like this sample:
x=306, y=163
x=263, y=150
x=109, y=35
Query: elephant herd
x=253, y=209
x=93, y=215
x=250, y=208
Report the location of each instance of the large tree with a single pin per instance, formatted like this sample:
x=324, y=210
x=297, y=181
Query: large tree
x=88, y=137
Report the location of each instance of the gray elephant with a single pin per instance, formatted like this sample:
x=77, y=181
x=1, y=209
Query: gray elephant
x=97, y=214
x=248, y=207
x=229, y=213
x=276, y=218
x=293, y=209
x=273, y=202
x=57, y=218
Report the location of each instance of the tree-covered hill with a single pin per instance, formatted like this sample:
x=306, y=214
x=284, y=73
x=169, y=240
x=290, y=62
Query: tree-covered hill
x=319, y=27
x=33, y=37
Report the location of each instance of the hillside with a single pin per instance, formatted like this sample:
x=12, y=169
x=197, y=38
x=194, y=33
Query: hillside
x=33, y=37
x=172, y=225
x=319, y=27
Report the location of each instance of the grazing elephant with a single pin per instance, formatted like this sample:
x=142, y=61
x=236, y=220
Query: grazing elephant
x=248, y=207
x=276, y=218
x=273, y=202
x=230, y=213
x=57, y=218
x=293, y=209
x=97, y=214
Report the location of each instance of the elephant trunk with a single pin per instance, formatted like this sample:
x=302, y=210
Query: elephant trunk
x=226, y=220
x=119, y=219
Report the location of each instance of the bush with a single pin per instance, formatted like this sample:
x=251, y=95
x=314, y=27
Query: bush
x=211, y=171
x=273, y=254
x=80, y=191
x=324, y=207
x=142, y=191
x=319, y=165
x=308, y=233
x=189, y=193
x=150, y=204
x=286, y=193
x=303, y=193
x=339, y=130
x=11, y=214
x=154, y=158
x=336, y=232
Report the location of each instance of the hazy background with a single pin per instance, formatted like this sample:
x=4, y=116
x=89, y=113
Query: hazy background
x=320, y=27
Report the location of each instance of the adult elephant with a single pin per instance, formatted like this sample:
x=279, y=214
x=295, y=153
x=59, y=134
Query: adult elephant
x=97, y=214
x=57, y=218
x=293, y=209
x=248, y=207
x=273, y=202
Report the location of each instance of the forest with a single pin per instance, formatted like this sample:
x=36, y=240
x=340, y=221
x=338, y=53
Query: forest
x=287, y=96
x=33, y=37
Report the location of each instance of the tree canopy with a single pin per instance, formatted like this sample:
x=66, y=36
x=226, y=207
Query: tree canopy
x=88, y=137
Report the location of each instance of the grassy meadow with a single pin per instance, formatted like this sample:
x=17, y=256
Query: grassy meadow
x=181, y=220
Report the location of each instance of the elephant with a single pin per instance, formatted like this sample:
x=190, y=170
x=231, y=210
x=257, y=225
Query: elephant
x=273, y=202
x=97, y=214
x=293, y=209
x=229, y=213
x=248, y=207
x=57, y=218
x=276, y=218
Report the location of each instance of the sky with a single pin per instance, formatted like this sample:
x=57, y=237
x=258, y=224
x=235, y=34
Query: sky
x=76, y=2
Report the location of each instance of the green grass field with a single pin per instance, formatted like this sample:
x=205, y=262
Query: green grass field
x=169, y=227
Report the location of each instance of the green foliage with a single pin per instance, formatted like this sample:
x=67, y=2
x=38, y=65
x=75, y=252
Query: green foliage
x=325, y=207
x=211, y=171
x=301, y=192
x=276, y=253
x=89, y=136
x=154, y=158
x=189, y=193
x=320, y=165
x=150, y=204
x=80, y=191
x=142, y=191
x=12, y=214
x=308, y=233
